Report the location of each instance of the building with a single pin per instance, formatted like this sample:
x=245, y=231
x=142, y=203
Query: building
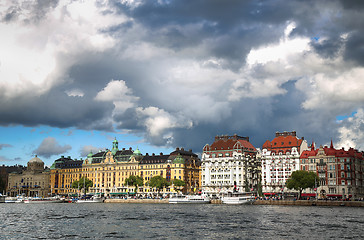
x=230, y=163
x=63, y=172
x=340, y=171
x=4, y=174
x=109, y=169
x=179, y=164
x=280, y=157
x=34, y=181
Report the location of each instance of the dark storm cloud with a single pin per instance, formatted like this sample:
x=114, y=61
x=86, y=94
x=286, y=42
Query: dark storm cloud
x=179, y=33
x=57, y=109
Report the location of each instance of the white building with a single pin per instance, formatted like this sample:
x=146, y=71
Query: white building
x=280, y=157
x=230, y=163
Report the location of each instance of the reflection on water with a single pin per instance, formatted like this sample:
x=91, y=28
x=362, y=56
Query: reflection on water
x=164, y=221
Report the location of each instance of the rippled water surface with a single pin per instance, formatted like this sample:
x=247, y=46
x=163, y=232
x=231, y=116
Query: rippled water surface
x=169, y=221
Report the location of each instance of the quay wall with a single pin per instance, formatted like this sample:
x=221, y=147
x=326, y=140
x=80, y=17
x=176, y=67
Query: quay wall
x=258, y=202
x=131, y=200
x=310, y=203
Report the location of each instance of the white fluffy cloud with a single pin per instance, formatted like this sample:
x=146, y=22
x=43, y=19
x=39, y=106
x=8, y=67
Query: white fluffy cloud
x=117, y=92
x=352, y=132
x=50, y=147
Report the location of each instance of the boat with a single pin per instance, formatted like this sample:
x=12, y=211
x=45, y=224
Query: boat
x=44, y=200
x=180, y=198
x=93, y=199
x=10, y=199
x=237, y=198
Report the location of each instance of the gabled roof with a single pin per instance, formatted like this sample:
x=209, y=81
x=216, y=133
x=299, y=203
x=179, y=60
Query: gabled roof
x=226, y=144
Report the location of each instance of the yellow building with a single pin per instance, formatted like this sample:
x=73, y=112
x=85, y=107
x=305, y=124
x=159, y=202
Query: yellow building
x=108, y=170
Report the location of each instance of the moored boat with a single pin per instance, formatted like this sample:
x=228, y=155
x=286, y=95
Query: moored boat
x=10, y=199
x=237, y=198
x=93, y=199
x=189, y=199
x=44, y=200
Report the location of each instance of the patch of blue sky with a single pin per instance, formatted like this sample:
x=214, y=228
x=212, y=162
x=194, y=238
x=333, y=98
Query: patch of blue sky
x=20, y=142
x=343, y=117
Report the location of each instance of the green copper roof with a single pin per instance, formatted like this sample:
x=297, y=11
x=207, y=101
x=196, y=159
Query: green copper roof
x=53, y=166
x=179, y=159
x=137, y=152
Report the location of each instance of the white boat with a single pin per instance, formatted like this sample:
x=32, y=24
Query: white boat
x=20, y=199
x=237, y=198
x=10, y=199
x=189, y=199
x=93, y=199
x=44, y=200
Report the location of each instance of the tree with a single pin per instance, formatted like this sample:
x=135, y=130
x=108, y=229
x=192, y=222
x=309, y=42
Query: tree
x=178, y=184
x=158, y=182
x=301, y=180
x=134, y=181
x=84, y=183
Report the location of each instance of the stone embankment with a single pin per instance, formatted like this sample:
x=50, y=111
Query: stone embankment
x=310, y=203
x=131, y=200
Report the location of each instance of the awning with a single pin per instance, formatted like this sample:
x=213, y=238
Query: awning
x=122, y=193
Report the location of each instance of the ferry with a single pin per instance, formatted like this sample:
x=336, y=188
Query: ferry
x=190, y=199
x=237, y=198
x=44, y=200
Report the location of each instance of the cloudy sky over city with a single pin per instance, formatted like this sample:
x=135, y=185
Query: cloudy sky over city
x=156, y=75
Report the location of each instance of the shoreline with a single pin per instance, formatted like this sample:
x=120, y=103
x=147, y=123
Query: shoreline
x=257, y=202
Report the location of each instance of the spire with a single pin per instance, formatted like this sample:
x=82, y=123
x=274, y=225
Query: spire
x=331, y=145
x=313, y=146
x=115, y=146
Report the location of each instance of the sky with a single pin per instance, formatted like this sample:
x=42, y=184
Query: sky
x=156, y=75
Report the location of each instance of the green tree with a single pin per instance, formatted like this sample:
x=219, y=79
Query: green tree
x=158, y=182
x=259, y=188
x=301, y=180
x=83, y=183
x=134, y=181
x=178, y=184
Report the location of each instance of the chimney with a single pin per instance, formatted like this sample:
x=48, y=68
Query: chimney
x=153, y=154
x=182, y=149
x=177, y=149
x=161, y=154
x=130, y=148
x=190, y=150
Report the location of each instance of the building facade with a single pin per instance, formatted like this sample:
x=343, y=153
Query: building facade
x=109, y=169
x=4, y=175
x=340, y=171
x=32, y=182
x=280, y=157
x=230, y=163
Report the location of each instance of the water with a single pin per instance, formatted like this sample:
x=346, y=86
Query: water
x=170, y=221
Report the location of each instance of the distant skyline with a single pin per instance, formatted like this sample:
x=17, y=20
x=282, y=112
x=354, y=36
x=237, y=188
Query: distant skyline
x=158, y=75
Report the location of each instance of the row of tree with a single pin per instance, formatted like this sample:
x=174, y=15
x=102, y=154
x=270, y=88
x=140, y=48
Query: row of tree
x=157, y=182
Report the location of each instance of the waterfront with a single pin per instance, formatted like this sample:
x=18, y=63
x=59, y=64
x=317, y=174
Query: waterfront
x=166, y=221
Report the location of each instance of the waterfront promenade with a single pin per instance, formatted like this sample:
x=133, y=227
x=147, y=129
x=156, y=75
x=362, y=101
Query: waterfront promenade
x=258, y=202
